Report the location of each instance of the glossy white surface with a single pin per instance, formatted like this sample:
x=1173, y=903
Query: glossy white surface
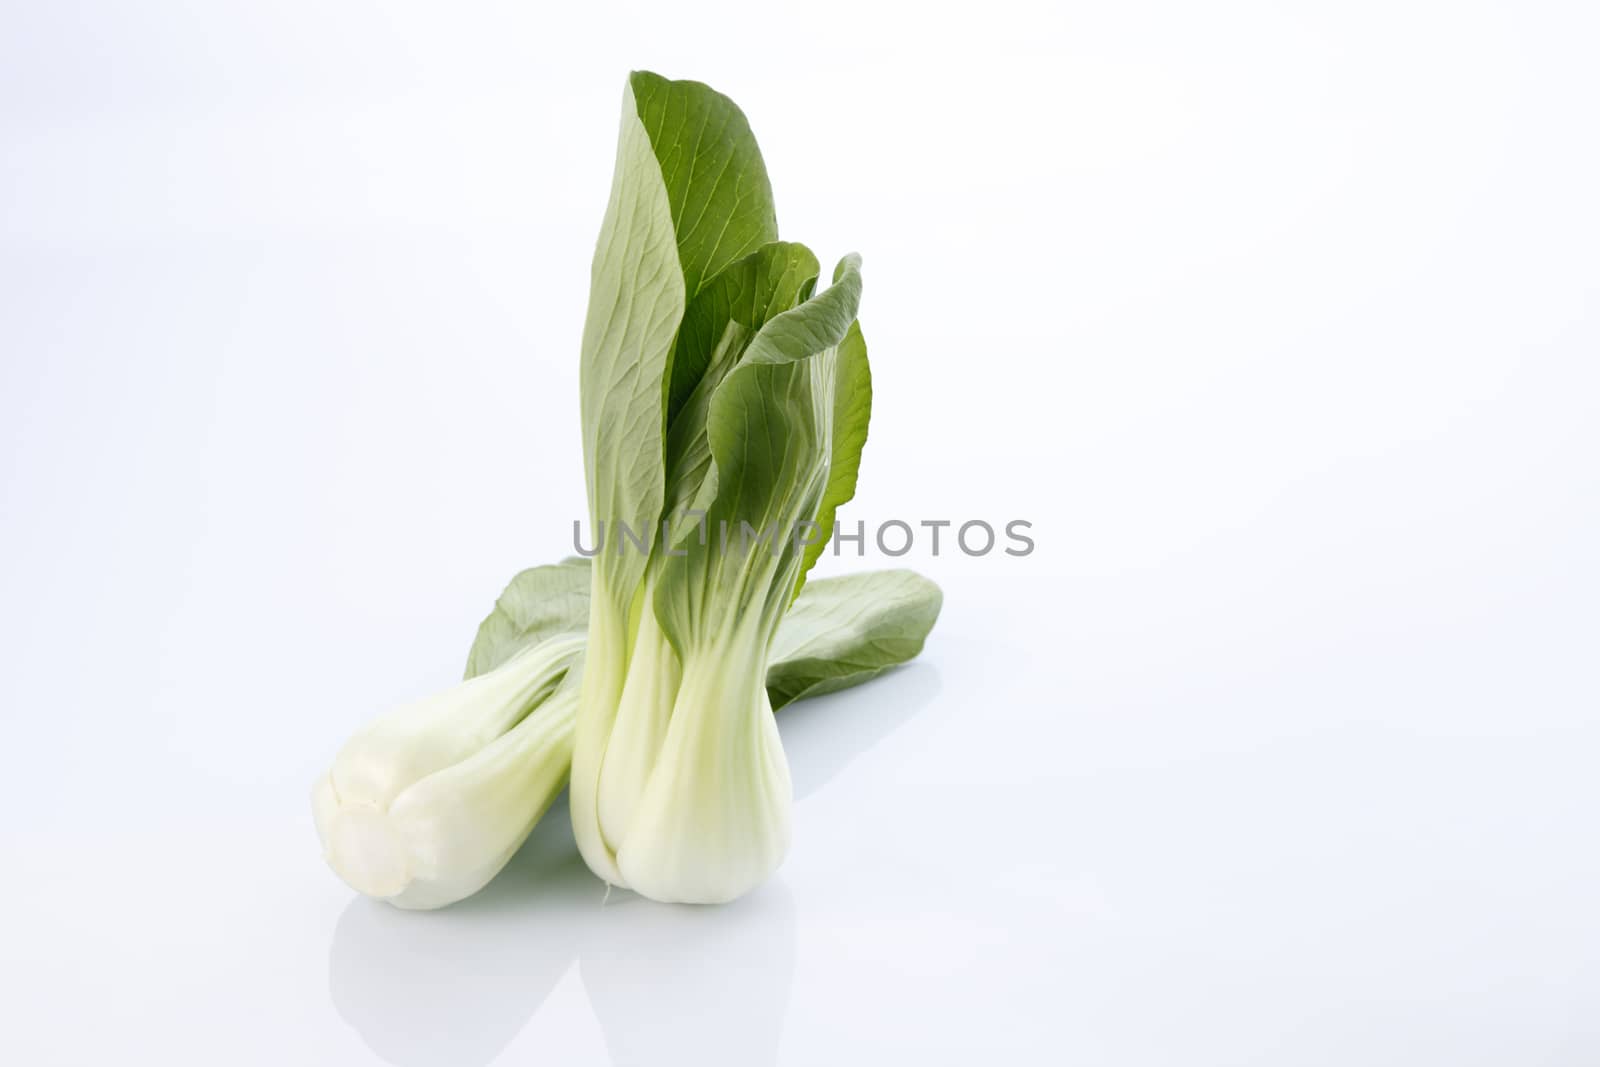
x=1279, y=325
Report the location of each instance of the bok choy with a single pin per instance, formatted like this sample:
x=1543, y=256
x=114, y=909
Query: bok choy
x=716, y=382
x=725, y=399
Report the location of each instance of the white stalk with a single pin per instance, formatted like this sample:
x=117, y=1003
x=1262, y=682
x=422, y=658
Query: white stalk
x=604, y=671
x=713, y=820
x=643, y=712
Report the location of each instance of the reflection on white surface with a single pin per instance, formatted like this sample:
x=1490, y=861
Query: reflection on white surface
x=693, y=985
x=667, y=983
x=454, y=987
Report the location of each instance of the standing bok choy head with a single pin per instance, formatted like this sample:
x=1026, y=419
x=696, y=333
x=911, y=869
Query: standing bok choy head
x=716, y=382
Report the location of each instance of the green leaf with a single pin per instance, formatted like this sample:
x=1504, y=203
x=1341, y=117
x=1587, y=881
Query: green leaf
x=817, y=326
x=852, y=412
x=847, y=630
x=636, y=299
x=840, y=632
x=717, y=186
x=718, y=326
x=538, y=604
x=772, y=279
x=769, y=431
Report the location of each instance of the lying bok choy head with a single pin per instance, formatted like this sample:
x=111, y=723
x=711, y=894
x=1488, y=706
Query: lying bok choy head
x=715, y=380
x=426, y=805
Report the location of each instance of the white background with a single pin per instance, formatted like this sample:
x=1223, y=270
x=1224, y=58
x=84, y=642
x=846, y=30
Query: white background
x=1277, y=321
